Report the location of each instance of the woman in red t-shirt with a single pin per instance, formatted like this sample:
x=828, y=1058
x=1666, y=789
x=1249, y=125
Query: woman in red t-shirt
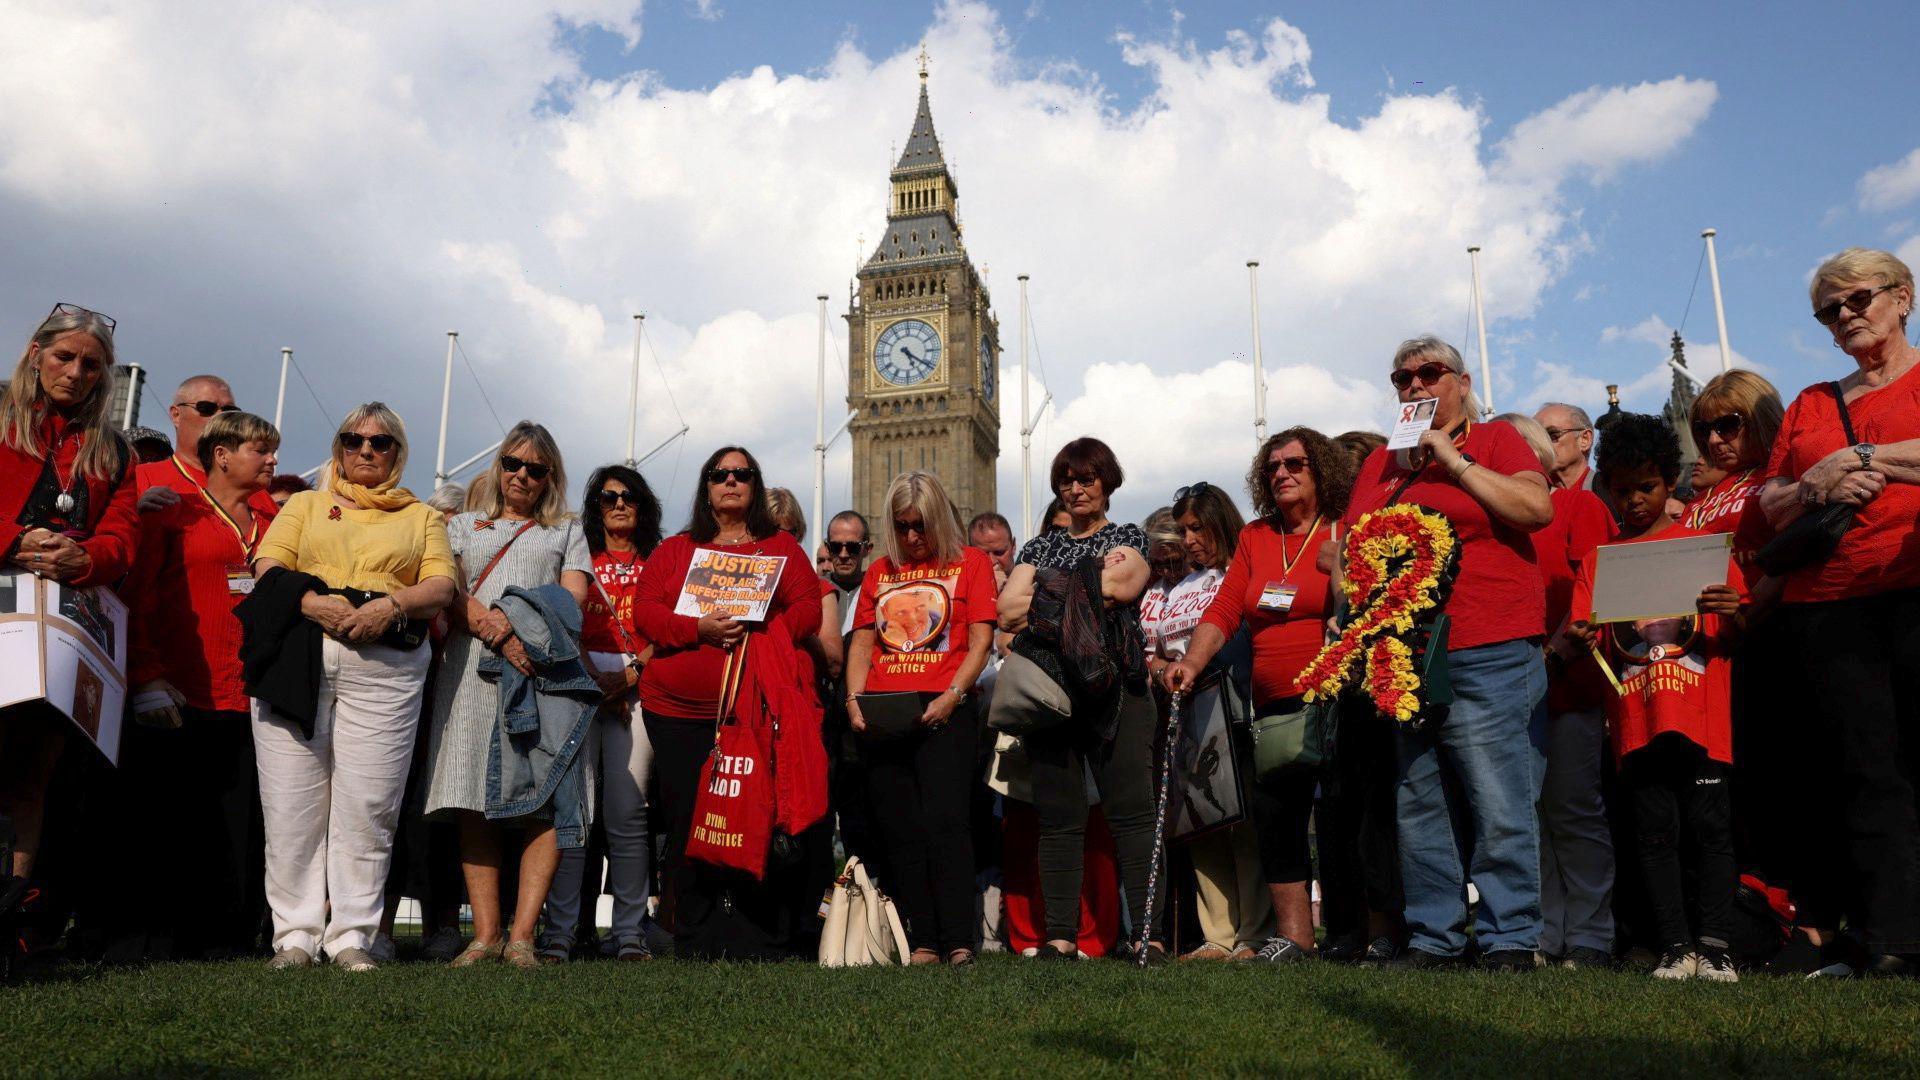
x=1855, y=615
x=923, y=627
x=621, y=520
x=1479, y=764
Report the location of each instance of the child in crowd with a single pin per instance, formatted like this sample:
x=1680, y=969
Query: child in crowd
x=1671, y=729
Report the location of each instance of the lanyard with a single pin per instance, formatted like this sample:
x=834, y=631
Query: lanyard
x=1287, y=564
x=247, y=544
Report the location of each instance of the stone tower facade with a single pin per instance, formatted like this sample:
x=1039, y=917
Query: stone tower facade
x=923, y=344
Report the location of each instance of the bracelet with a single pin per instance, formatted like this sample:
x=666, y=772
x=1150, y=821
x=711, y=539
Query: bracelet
x=1462, y=471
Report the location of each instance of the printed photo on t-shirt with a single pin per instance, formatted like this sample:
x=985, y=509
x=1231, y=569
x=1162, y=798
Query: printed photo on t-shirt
x=915, y=615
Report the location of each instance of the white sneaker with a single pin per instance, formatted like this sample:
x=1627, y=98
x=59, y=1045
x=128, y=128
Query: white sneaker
x=444, y=945
x=1714, y=965
x=289, y=958
x=1678, y=962
x=382, y=948
x=354, y=959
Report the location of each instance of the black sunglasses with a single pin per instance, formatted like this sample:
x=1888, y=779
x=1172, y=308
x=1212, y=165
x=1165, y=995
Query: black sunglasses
x=743, y=475
x=1197, y=488
x=1294, y=465
x=535, y=471
x=1428, y=373
x=1857, y=301
x=352, y=441
x=1724, y=426
x=76, y=311
x=207, y=408
x=844, y=548
x=609, y=498
x=905, y=527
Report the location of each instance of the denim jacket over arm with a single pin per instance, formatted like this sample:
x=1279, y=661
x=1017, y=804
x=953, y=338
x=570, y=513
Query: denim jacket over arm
x=534, y=754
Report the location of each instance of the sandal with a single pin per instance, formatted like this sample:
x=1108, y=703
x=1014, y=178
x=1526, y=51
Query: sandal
x=960, y=958
x=476, y=953
x=520, y=954
x=923, y=957
x=1207, y=951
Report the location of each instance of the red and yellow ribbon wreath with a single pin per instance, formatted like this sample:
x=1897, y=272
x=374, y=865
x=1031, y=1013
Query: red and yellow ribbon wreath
x=1399, y=564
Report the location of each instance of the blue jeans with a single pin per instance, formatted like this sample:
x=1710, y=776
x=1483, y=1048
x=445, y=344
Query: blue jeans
x=1483, y=765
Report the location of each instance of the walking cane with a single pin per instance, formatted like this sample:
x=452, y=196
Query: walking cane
x=1160, y=826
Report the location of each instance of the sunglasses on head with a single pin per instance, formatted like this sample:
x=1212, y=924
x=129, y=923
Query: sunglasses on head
x=742, y=475
x=535, y=471
x=207, y=408
x=352, y=441
x=1428, y=373
x=76, y=311
x=609, y=498
x=1857, y=302
x=845, y=548
x=1724, y=426
x=1196, y=488
x=1294, y=465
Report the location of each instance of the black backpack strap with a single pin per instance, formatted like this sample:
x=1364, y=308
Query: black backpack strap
x=1846, y=421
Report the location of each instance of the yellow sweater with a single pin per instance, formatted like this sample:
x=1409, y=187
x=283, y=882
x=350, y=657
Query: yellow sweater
x=376, y=550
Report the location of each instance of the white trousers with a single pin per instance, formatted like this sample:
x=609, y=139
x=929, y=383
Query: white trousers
x=331, y=802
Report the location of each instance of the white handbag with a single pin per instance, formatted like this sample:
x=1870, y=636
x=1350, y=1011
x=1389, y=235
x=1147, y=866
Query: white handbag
x=863, y=928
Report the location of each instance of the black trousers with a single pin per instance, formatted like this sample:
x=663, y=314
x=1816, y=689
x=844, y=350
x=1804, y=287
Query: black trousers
x=1123, y=773
x=922, y=788
x=1683, y=799
x=1769, y=735
x=1358, y=836
x=1859, y=751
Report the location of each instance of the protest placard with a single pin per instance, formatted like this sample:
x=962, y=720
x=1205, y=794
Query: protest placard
x=1410, y=421
x=1658, y=579
x=720, y=582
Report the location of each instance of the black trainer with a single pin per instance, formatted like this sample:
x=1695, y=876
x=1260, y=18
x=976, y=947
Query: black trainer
x=1422, y=960
x=1514, y=960
x=1582, y=957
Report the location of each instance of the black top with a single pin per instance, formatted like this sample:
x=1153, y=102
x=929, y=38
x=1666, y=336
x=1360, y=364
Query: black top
x=1058, y=550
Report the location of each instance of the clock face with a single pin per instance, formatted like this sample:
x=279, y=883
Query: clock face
x=989, y=367
x=907, y=352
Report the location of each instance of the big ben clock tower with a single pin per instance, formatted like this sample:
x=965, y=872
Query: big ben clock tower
x=923, y=343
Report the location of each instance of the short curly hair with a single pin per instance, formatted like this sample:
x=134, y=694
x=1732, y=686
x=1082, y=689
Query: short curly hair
x=1332, y=472
x=1636, y=440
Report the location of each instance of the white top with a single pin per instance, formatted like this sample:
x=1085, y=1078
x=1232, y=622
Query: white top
x=1169, y=619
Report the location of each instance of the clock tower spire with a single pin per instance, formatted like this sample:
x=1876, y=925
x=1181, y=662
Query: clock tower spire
x=923, y=345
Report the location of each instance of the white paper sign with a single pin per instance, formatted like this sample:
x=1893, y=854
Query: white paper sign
x=720, y=582
x=65, y=647
x=1659, y=579
x=1410, y=422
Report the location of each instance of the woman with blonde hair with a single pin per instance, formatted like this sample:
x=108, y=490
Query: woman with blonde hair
x=924, y=626
x=331, y=782
x=519, y=533
x=66, y=514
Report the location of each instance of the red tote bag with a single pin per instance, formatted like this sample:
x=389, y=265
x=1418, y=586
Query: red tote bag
x=733, y=811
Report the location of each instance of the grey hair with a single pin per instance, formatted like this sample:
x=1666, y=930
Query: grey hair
x=101, y=446
x=1431, y=347
x=449, y=498
x=1579, y=414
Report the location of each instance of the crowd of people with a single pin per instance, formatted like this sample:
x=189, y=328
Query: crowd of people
x=496, y=700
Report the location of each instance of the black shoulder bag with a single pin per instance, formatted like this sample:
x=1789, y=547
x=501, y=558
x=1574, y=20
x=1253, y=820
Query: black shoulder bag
x=1813, y=536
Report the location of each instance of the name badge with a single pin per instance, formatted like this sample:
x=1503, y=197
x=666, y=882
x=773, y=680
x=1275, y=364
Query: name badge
x=1277, y=596
x=239, y=580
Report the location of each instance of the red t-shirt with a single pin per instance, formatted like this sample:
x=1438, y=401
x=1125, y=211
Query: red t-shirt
x=1287, y=634
x=921, y=615
x=1882, y=551
x=1732, y=505
x=1498, y=596
x=181, y=595
x=619, y=575
x=1581, y=522
x=682, y=680
x=1675, y=672
x=187, y=478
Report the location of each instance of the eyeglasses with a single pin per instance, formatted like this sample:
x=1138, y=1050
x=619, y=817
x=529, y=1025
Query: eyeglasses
x=1726, y=427
x=352, y=441
x=534, y=470
x=1428, y=373
x=1197, y=488
x=1294, y=465
x=1857, y=302
x=905, y=527
x=206, y=408
x=1555, y=434
x=78, y=312
x=846, y=548
x=745, y=475
x=1067, y=483
x=609, y=498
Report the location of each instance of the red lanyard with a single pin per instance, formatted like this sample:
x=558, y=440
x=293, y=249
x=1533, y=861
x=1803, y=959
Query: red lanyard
x=247, y=544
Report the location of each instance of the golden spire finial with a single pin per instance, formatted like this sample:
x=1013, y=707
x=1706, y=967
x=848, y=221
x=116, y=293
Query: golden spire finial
x=923, y=61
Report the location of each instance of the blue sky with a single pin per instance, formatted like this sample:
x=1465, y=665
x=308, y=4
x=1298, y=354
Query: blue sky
x=355, y=178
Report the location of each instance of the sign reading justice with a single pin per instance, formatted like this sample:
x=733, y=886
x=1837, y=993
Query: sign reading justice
x=722, y=583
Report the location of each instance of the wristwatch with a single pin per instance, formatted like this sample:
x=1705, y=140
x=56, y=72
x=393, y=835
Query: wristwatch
x=1865, y=450
x=958, y=693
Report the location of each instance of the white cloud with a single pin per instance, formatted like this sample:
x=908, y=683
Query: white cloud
x=353, y=180
x=1885, y=187
x=1909, y=252
x=1652, y=329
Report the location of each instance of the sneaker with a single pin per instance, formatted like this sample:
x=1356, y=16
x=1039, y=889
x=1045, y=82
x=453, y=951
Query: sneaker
x=1582, y=957
x=289, y=958
x=1712, y=963
x=1422, y=960
x=1128, y=953
x=634, y=950
x=1344, y=949
x=1381, y=951
x=1281, y=950
x=353, y=959
x=1678, y=962
x=1516, y=961
x=1046, y=952
x=382, y=948
x=555, y=950
x=444, y=945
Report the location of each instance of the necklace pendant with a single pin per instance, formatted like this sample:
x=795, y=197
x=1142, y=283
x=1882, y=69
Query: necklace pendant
x=63, y=503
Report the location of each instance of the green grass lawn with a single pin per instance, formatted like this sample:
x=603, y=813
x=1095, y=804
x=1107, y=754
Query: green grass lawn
x=1005, y=1017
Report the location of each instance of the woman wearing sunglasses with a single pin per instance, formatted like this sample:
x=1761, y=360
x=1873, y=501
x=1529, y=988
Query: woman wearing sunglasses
x=518, y=532
x=1478, y=766
x=1854, y=615
x=711, y=912
x=621, y=519
x=331, y=793
x=66, y=514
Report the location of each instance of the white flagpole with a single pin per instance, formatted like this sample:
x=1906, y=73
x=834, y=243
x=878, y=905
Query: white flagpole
x=1719, y=308
x=633, y=389
x=446, y=395
x=1480, y=319
x=820, y=428
x=1026, y=428
x=280, y=401
x=1259, y=365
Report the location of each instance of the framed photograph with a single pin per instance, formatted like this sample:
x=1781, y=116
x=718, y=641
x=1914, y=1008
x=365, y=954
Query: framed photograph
x=65, y=648
x=1209, y=792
